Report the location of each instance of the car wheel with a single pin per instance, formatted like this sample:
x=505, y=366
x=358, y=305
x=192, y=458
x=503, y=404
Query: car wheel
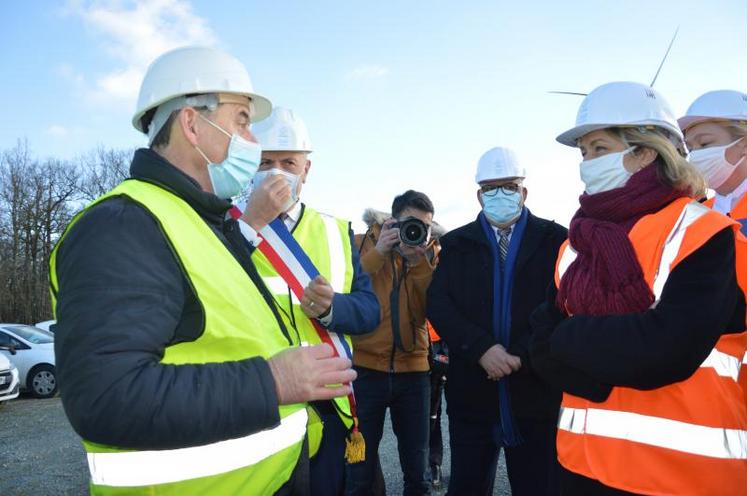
x=42, y=381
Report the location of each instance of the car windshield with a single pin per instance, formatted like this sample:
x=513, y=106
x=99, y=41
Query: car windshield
x=31, y=334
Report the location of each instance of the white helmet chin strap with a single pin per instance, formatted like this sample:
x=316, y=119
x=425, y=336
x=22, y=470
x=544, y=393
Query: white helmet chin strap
x=166, y=109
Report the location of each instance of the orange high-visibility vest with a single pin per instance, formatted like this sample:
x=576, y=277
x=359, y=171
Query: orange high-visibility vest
x=432, y=332
x=687, y=438
x=739, y=213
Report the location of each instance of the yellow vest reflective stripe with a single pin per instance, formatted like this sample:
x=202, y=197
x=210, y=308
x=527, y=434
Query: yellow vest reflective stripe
x=145, y=468
x=326, y=241
x=238, y=325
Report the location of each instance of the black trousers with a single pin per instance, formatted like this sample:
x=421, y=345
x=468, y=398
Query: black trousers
x=532, y=467
x=407, y=396
x=328, y=466
x=573, y=484
x=436, y=446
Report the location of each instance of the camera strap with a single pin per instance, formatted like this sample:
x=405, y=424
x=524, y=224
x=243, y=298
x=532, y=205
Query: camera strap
x=394, y=307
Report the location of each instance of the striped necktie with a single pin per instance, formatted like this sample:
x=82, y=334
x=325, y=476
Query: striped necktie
x=503, y=242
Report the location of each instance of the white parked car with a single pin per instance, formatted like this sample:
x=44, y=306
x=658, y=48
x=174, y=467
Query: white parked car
x=47, y=325
x=34, y=357
x=9, y=384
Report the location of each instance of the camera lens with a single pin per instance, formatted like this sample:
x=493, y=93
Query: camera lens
x=412, y=232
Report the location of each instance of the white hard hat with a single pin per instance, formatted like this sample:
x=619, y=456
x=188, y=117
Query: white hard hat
x=196, y=70
x=716, y=105
x=498, y=163
x=622, y=104
x=283, y=131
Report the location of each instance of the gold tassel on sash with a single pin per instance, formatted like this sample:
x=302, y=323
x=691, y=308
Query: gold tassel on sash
x=355, y=445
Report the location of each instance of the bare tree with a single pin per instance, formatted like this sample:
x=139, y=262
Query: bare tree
x=101, y=170
x=36, y=203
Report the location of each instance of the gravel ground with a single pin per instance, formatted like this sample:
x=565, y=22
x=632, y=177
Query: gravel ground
x=41, y=455
x=39, y=452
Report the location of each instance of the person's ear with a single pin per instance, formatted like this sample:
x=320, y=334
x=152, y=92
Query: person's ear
x=742, y=147
x=187, y=119
x=525, y=193
x=306, y=169
x=479, y=198
x=644, y=156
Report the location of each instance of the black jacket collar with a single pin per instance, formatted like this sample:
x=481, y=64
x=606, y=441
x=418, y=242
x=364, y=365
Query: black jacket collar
x=149, y=166
x=533, y=235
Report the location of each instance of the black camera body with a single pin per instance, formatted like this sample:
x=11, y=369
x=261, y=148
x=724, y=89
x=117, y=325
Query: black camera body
x=412, y=231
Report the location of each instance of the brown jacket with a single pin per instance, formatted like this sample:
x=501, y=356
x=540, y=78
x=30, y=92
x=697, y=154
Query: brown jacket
x=376, y=350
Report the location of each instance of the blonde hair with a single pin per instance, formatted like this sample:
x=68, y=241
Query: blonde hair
x=737, y=129
x=671, y=166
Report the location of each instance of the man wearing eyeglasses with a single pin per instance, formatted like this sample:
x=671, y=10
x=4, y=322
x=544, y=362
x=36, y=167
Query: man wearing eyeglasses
x=492, y=273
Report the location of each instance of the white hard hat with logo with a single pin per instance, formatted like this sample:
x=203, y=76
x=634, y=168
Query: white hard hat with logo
x=498, y=163
x=282, y=131
x=196, y=71
x=728, y=105
x=623, y=104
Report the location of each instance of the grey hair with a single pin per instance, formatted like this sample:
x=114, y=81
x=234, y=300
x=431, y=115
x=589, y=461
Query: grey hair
x=166, y=112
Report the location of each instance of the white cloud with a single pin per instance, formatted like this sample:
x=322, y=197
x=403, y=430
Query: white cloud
x=57, y=131
x=367, y=71
x=134, y=32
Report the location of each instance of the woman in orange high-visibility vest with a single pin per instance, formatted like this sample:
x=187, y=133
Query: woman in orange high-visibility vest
x=715, y=129
x=644, y=328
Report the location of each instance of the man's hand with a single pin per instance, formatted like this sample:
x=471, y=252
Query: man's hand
x=310, y=373
x=388, y=237
x=317, y=298
x=266, y=202
x=498, y=363
x=413, y=254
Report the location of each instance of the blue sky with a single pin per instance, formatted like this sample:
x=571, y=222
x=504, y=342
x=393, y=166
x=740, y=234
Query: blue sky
x=396, y=95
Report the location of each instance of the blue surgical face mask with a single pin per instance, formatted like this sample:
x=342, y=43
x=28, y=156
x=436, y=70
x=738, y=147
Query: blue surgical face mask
x=502, y=208
x=291, y=179
x=233, y=175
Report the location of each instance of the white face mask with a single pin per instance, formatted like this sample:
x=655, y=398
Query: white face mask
x=712, y=163
x=605, y=173
x=291, y=179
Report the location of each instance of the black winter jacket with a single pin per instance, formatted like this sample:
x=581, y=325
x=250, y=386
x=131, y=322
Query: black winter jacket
x=460, y=301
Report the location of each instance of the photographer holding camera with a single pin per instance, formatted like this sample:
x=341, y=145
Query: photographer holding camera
x=399, y=253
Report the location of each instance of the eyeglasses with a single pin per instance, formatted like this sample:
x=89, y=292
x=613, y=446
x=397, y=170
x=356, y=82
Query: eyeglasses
x=507, y=189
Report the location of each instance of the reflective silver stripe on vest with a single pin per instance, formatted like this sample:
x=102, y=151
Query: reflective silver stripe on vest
x=567, y=258
x=279, y=287
x=664, y=433
x=337, y=260
x=692, y=212
x=724, y=364
x=145, y=468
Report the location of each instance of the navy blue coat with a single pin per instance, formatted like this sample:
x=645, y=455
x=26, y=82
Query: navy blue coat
x=460, y=301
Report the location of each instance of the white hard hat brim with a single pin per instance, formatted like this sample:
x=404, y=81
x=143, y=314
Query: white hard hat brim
x=571, y=137
x=261, y=106
x=689, y=121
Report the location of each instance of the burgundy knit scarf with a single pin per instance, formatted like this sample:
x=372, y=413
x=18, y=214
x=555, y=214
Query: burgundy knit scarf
x=606, y=278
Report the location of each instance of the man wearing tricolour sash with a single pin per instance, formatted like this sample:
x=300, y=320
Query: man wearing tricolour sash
x=308, y=262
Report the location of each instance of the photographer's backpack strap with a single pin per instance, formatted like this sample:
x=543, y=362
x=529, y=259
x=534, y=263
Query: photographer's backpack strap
x=394, y=308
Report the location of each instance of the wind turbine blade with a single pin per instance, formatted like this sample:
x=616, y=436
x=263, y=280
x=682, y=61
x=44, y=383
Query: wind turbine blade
x=665, y=56
x=568, y=93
